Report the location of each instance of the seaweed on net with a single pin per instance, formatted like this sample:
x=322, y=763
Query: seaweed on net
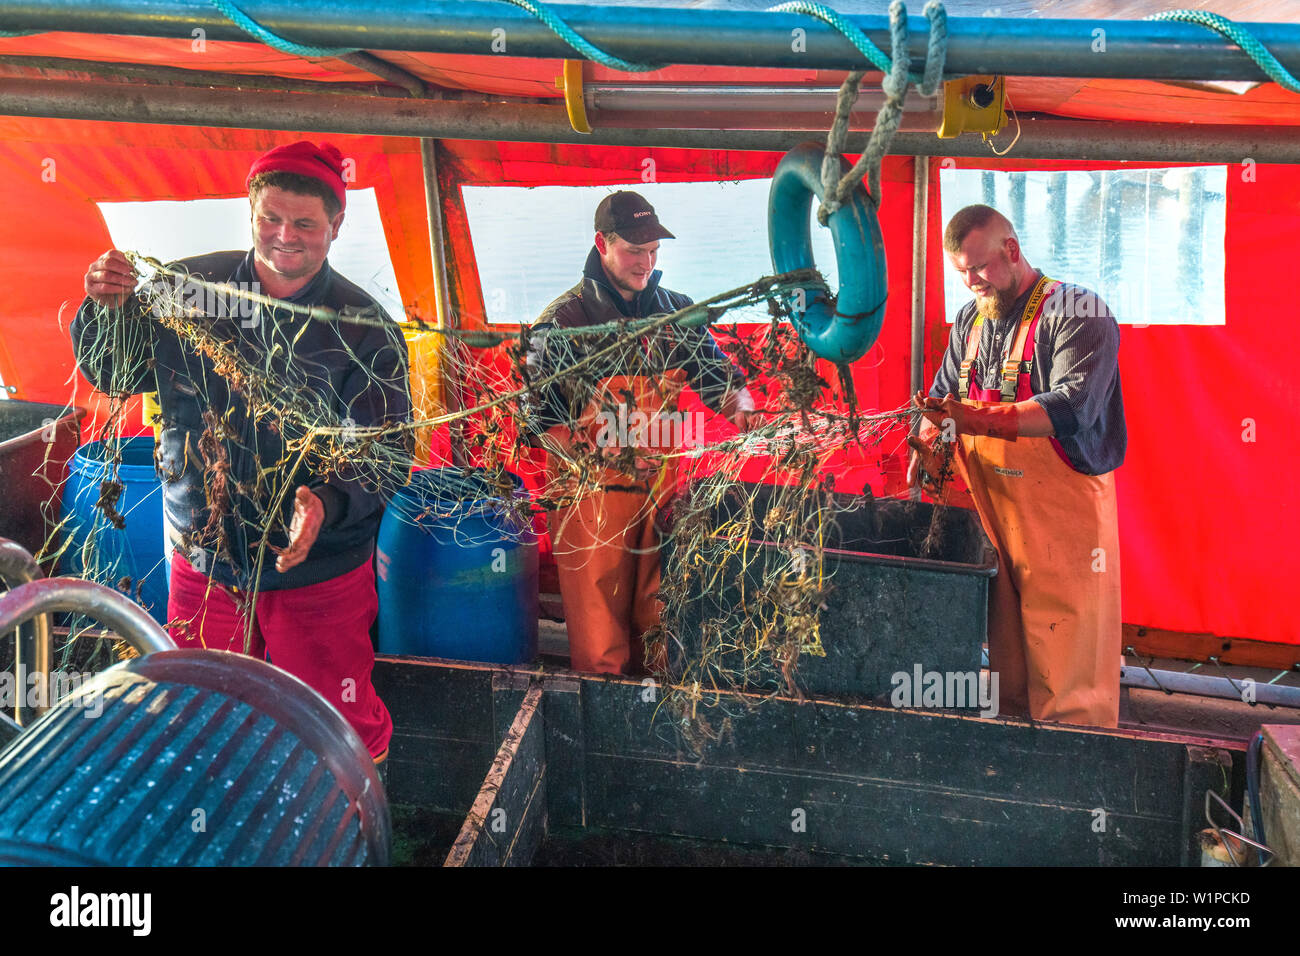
x=745, y=579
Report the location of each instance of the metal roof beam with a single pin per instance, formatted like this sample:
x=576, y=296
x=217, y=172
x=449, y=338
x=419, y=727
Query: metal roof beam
x=1041, y=138
x=664, y=35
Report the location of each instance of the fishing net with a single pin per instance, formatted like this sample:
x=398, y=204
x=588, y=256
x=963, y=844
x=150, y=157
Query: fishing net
x=754, y=509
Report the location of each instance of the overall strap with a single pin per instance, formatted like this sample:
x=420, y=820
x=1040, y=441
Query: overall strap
x=1016, y=364
x=972, y=350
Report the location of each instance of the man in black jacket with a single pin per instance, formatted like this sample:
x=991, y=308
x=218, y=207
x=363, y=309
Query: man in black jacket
x=234, y=483
x=624, y=407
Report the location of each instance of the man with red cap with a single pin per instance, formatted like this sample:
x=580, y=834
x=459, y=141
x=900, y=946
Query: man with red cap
x=311, y=612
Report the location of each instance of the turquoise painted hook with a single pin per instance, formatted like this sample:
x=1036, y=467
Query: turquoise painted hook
x=845, y=332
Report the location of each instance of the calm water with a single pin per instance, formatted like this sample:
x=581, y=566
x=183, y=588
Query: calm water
x=531, y=243
x=1150, y=241
x=1162, y=263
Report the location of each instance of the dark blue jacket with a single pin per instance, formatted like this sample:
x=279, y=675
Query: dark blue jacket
x=593, y=301
x=348, y=370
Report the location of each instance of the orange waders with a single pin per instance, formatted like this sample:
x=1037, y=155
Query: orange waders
x=606, y=545
x=1054, y=610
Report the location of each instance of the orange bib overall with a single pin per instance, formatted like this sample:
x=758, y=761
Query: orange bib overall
x=606, y=545
x=1054, y=610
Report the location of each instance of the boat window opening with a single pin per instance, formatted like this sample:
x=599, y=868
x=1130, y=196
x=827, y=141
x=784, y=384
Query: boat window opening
x=531, y=243
x=168, y=230
x=1150, y=242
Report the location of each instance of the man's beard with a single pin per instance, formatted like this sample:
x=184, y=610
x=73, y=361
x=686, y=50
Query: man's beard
x=998, y=305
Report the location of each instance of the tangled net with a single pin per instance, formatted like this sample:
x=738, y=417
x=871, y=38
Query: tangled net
x=745, y=518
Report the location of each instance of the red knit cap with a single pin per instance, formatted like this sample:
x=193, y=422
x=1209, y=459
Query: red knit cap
x=323, y=162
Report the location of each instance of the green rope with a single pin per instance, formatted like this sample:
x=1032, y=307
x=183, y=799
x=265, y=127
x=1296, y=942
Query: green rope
x=1242, y=37
x=836, y=186
x=877, y=57
x=252, y=27
x=20, y=33
x=571, y=37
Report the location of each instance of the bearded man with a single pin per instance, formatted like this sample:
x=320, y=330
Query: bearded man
x=1028, y=395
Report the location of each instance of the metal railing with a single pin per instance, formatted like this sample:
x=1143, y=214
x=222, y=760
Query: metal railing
x=32, y=602
x=33, y=640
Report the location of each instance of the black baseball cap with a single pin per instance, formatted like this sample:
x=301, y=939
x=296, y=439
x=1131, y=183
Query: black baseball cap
x=629, y=215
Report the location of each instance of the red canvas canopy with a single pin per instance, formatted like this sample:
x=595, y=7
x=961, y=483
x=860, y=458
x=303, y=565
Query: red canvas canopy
x=1206, y=516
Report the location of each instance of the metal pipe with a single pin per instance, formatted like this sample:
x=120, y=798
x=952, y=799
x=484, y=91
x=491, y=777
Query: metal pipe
x=452, y=399
x=1040, y=138
x=57, y=68
x=437, y=238
x=386, y=71
x=115, y=611
x=33, y=641
x=1013, y=47
x=1198, y=685
x=1277, y=695
x=920, y=222
x=665, y=98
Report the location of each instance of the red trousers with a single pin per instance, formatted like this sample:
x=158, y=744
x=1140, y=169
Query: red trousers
x=319, y=633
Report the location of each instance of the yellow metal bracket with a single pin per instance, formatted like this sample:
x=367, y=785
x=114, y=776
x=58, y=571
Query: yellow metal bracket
x=151, y=413
x=974, y=104
x=571, y=83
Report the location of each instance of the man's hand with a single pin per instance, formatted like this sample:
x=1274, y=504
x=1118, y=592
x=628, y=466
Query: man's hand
x=994, y=421
x=308, y=515
x=745, y=420
x=110, y=280
x=738, y=408
x=923, y=460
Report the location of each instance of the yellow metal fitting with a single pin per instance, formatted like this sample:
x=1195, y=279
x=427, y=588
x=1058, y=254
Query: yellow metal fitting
x=571, y=83
x=152, y=414
x=974, y=104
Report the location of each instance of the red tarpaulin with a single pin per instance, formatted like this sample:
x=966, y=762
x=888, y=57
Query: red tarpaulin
x=1205, y=513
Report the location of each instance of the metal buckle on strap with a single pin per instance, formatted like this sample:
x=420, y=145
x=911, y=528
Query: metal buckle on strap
x=963, y=378
x=1010, y=379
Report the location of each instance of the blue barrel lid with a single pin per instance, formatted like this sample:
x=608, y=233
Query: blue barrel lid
x=437, y=497
x=93, y=458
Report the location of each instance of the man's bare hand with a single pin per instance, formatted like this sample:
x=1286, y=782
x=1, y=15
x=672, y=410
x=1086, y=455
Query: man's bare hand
x=110, y=280
x=308, y=516
x=745, y=420
x=738, y=408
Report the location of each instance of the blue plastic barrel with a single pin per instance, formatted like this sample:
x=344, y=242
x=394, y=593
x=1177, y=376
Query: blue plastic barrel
x=102, y=552
x=457, y=569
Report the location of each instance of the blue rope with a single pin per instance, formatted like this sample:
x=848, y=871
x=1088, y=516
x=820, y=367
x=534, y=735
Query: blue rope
x=571, y=37
x=252, y=27
x=1242, y=37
